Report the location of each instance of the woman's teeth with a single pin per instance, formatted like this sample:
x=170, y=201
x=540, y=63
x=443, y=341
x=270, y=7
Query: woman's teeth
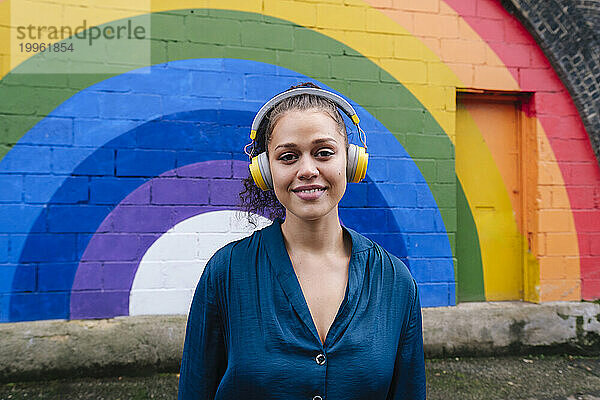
x=309, y=190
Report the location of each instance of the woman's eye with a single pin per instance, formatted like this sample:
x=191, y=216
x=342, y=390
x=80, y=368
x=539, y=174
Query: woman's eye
x=287, y=157
x=324, y=153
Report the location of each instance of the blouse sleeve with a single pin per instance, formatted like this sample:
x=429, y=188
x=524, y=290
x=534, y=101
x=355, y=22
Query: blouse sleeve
x=204, y=356
x=408, y=381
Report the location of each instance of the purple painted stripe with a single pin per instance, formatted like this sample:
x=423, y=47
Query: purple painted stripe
x=108, y=265
x=100, y=304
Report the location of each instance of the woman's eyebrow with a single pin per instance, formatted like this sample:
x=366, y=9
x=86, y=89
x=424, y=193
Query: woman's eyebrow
x=316, y=141
x=324, y=140
x=286, y=145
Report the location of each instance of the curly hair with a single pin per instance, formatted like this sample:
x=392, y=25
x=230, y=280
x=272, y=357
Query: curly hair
x=254, y=200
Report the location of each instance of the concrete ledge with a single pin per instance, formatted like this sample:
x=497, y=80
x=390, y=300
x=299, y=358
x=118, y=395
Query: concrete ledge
x=501, y=328
x=140, y=345
x=119, y=346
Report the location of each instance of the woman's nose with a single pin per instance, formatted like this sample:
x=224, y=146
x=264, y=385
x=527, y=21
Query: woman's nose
x=307, y=168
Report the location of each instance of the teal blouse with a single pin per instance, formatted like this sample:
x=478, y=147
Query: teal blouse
x=250, y=334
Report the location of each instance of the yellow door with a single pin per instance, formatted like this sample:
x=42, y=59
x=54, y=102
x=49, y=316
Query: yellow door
x=488, y=164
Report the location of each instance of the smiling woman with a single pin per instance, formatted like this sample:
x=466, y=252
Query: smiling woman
x=308, y=162
x=304, y=308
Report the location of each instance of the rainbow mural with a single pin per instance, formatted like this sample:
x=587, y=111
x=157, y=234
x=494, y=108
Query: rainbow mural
x=117, y=187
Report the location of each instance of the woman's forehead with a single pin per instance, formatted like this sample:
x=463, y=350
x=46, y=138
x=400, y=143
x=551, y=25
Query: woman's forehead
x=306, y=126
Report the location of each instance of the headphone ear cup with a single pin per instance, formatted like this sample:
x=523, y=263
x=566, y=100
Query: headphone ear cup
x=358, y=158
x=265, y=170
x=352, y=162
x=261, y=172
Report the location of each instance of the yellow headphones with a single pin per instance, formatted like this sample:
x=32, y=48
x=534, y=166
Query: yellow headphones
x=356, y=168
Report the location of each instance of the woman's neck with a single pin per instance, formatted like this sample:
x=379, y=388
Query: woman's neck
x=322, y=236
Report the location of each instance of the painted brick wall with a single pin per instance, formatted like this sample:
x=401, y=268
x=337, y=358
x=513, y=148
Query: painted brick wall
x=114, y=190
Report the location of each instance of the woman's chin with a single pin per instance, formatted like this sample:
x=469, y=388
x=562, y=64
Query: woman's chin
x=310, y=213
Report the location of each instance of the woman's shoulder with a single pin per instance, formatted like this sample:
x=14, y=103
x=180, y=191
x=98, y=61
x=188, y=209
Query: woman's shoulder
x=394, y=262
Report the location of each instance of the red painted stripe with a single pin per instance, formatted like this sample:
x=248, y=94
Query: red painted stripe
x=556, y=112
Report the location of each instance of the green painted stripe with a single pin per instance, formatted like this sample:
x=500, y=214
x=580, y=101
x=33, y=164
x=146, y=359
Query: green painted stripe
x=182, y=34
x=468, y=265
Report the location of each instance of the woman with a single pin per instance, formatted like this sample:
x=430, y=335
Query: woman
x=304, y=308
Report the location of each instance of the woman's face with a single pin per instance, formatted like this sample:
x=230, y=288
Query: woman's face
x=307, y=155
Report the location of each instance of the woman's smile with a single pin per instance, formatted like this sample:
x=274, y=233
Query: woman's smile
x=309, y=192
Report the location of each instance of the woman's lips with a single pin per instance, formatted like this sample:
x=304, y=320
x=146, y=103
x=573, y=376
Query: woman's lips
x=312, y=194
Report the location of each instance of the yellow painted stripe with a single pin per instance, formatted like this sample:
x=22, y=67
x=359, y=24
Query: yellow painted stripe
x=4, y=38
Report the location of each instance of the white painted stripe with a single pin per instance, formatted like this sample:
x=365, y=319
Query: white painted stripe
x=169, y=271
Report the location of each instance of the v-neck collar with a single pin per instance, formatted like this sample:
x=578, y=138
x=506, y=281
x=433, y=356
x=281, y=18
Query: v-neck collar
x=283, y=269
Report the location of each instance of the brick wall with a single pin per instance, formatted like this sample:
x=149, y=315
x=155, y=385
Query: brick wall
x=93, y=169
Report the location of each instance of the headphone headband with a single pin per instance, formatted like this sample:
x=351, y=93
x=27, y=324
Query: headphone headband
x=338, y=100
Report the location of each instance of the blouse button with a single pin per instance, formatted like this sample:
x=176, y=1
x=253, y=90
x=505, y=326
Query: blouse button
x=317, y=398
x=320, y=359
